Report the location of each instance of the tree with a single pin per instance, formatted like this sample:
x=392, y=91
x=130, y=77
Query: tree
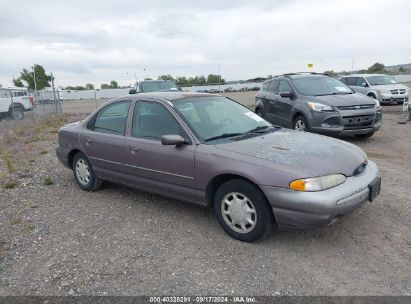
x=89, y=86
x=403, y=70
x=76, y=88
x=105, y=86
x=1, y=85
x=148, y=78
x=39, y=74
x=18, y=83
x=166, y=77
x=331, y=73
x=376, y=67
x=214, y=79
x=113, y=84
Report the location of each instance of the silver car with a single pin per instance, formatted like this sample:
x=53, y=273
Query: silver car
x=378, y=86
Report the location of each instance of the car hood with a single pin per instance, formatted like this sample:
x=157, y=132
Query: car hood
x=343, y=100
x=389, y=86
x=311, y=154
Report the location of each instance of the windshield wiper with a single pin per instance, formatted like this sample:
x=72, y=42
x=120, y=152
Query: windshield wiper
x=260, y=129
x=224, y=135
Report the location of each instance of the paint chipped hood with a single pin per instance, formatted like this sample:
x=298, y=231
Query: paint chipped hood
x=311, y=154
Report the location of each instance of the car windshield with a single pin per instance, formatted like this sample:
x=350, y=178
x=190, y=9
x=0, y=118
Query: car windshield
x=318, y=86
x=152, y=86
x=214, y=118
x=381, y=80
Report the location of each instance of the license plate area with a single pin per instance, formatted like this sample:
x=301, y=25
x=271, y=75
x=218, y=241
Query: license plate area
x=375, y=189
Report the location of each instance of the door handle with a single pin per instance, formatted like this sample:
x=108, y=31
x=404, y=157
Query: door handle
x=133, y=149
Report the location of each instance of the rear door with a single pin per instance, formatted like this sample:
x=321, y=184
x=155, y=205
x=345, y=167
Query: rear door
x=285, y=104
x=271, y=101
x=103, y=141
x=152, y=166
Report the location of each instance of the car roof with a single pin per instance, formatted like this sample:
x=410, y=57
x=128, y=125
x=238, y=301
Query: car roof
x=364, y=75
x=169, y=95
x=300, y=75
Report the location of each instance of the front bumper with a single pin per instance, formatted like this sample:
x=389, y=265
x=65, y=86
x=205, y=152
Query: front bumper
x=393, y=98
x=309, y=210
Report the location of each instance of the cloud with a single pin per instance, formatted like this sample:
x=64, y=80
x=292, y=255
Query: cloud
x=97, y=41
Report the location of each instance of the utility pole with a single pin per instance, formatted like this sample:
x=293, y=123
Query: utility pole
x=54, y=93
x=352, y=65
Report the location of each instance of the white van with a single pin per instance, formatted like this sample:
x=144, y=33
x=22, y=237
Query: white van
x=14, y=102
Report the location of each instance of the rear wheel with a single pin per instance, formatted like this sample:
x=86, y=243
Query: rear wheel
x=16, y=113
x=259, y=112
x=300, y=124
x=243, y=211
x=84, y=174
x=364, y=135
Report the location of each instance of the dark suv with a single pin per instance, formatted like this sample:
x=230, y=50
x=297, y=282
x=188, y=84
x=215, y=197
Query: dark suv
x=145, y=86
x=317, y=103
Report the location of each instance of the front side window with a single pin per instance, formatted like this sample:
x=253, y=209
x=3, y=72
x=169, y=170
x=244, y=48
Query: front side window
x=381, y=80
x=152, y=120
x=214, y=117
x=283, y=87
x=361, y=82
x=112, y=119
x=320, y=86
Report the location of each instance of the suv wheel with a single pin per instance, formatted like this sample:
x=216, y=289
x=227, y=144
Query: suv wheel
x=17, y=113
x=300, y=124
x=259, y=112
x=84, y=174
x=243, y=211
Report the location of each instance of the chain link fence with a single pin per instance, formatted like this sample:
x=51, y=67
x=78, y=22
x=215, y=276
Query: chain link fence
x=20, y=106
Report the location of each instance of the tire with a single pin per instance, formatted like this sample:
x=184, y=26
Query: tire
x=16, y=113
x=300, y=124
x=84, y=174
x=259, y=112
x=246, y=196
x=368, y=135
x=372, y=95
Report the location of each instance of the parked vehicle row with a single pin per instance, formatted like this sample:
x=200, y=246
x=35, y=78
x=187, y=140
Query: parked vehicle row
x=212, y=151
x=317, y=103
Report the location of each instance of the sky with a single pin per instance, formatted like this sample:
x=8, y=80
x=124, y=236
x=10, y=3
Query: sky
x=98, y=41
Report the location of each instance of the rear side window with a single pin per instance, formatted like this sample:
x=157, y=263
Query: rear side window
x=112, y=119
x=272, y=88
x=152, y=120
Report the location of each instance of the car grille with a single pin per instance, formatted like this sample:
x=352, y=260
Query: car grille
x=356, y=107
x=358, y=122
x=397, y=91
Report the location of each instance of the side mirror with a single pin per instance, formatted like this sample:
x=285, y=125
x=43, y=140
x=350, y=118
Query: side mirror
x=171, y=140
x=132, y=91
x=364, y=84
x=286, y=94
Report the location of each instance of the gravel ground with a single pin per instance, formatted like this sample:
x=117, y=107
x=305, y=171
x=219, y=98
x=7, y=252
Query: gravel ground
x=57, y=239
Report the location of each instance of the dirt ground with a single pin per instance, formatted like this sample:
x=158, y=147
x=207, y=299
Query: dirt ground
x=56, y=239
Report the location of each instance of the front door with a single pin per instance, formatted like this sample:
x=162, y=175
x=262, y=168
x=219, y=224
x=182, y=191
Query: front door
x=271, y=100
x=103, y=141
x=152, y=166
x=285, y=104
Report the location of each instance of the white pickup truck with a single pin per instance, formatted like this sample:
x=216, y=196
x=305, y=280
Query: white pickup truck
x=13, y=103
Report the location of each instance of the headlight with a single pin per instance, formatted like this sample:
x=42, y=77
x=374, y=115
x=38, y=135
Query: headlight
x=377, y=103
x=319, y=107
x=317, y=183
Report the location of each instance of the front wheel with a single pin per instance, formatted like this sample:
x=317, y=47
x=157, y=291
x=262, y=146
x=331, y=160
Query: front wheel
x=243, y=211
x=300, y=124
x=84, y=174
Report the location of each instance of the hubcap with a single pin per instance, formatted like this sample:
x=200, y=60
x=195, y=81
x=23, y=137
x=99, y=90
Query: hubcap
x=300, y=125
x=238, y=212
x=82, y=172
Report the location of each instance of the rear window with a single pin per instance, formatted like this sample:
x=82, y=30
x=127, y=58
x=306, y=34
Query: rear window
x=153, y=86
